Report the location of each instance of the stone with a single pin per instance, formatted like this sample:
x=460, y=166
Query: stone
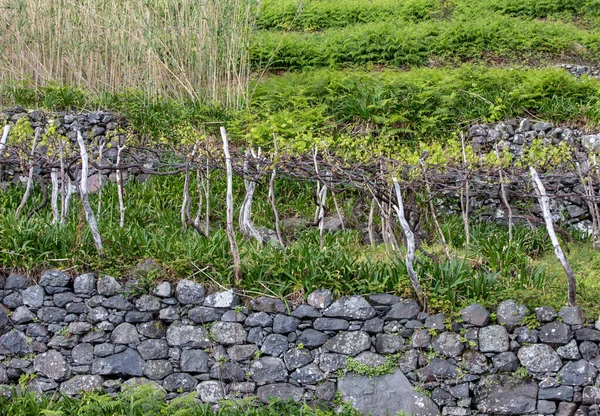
x=567, y=409
x=435, y=322
x=13, y=300
x=117, y=302
x=261, y=319
x=349, y=343
x=577, y=373
x=226, y=300
x=153, y=349
x=330, y=324
x=54, y=278
x=148, y=303
x=51, y=314
x=588, y=350
x=475, y=362
x=555, y=333
x=388, y=343
x=16, y=281
x=268, y=305
x=5, y=323
x=22, y=315
x=61, y=299
x=33, y=296
x=350, y=307
x=405, y=309
x=505, y=361
x=542, y=126
x=556, y=393
x=332, y=362
x=569, y=351
x=108, y=286
x=203, y=314
x=587, y=334
x=306, y=311
x=227, y=371
x=126, y=363
x=169, y=314
x=510, y=314
x=125, y=333
x=383, y=299
x=135, y=317
x=152, y=329
x=275, y=345
x=233, y=316
x=83, y=354
x=493, y=339
x=194, y=361
x=448, y=344
x=51, y=364
x=591, y=395
x=163, y=290
x=546, y=407
x=296, y=358
x=241, y=352
x=502, y=394
x=80, y=384
x=14, y=343
x=280, y=391
x=157, y=369
x=309, y=374
x=268, y=370
x=524, y=335
x=571, y=315
x=438, y=369
x=539, y=358
x=311, y=338
x=373, y=326
x=421, y=338
x=97, y=315
x=475, y=314
x=189, y=293
x=256, y=336
x=228, y=333
x=545, y=314
x=241, y=388
x=326, y=391
x=385, y=395
x=180, y=382
x=187, y=336
x=284, y=324
x=210, y=391
x=320, y=299
x=84, y=284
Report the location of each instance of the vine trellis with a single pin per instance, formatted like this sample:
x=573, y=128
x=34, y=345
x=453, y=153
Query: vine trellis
x=390, y=184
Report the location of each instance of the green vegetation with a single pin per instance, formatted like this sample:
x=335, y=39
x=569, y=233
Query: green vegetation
x=147, y=401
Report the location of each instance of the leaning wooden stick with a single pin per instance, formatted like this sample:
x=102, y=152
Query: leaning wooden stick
x=54, y=197
x=4, y=138
x=504, y=196
x=540, y=191
x=410, y=244
x=237, y=271
x=29, y=176
x=120, y=187
x=83, y=191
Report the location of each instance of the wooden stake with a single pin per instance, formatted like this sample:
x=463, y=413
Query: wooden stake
x=410, y=244
x=229, y=221
x=83, y=191
x=245, y=219
x=465, y=205
x=504, y=196
x=100, y=150
x=4, y=138
x=29, y=176
x=560, y=255
x=120, y=187
x=54, y=197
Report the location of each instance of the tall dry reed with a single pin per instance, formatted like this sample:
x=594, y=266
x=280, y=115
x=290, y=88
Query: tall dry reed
x=196, y=49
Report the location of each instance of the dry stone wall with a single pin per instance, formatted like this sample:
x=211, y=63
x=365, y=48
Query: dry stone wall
x=379, y=352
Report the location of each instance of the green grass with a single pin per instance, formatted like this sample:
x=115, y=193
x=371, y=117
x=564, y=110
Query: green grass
x=489, y=37
x=146, y=401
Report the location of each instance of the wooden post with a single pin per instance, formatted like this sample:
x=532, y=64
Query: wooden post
x=229, y=221
x=100, y=180
x=465, y=205
x=271, y=194
x=29, y=177
x=245, y=219
x=54, y=197
x=120, y=187
x=410, y=244
x=504, y=196
x=540, y=191
x=83, y=190
x=4, y=138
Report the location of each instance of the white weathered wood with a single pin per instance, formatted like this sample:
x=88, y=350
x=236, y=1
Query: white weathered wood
x=187, y=202
x=370, y=223
x=229, y=211
x=271, y=196
x=432, y=208
x=200, y=195
x=586, y=183
x=54, y=196
x=71, y=189
x=410, y=242
x=245, y=218
x=4, y=138
x=544, y=201
x=63, y=182
x=83, y=191
x=505, y=196
x=100, y=150
x=120, y=187
x=29, y=176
